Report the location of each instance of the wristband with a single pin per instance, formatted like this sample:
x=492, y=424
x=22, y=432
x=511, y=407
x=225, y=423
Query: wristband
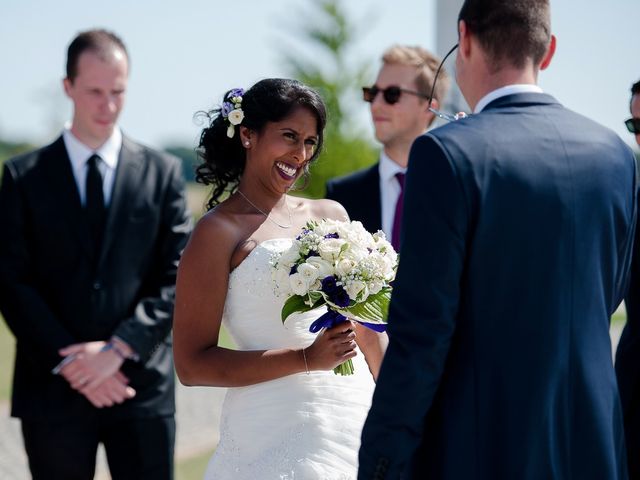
x=111, y=346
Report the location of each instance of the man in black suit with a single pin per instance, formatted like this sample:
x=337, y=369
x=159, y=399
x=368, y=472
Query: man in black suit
x=516, y=245
x=400, y=113
x=93, y=226
x=628, y=352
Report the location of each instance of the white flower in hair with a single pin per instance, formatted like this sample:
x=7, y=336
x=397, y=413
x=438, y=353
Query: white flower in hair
x=236, y=116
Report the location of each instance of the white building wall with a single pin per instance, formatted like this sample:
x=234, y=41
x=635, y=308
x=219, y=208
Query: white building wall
x=446, y=37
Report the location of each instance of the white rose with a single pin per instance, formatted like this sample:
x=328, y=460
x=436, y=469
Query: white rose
x=298, y=284
x=356, y=253
x=236, y=116
x=354, y=288
x=374, y=287
x=324, y=268
x=290, y=257
x=345, y=266
x=330, y=249
x=308, y=272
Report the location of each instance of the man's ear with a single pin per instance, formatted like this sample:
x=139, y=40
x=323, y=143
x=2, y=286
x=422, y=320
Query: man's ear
x=428, y=115
x=464, y=40
x=551, y=49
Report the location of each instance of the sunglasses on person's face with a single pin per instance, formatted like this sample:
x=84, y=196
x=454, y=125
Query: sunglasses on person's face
x=390, y=94
x=633, y=125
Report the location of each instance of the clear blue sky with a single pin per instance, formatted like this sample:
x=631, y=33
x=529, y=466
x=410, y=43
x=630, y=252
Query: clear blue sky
x=186, y=54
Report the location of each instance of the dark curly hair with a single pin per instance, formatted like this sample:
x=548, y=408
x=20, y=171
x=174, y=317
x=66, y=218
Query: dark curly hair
x=269, y=100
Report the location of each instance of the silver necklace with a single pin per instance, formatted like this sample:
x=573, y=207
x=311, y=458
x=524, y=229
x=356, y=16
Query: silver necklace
x=266, y=214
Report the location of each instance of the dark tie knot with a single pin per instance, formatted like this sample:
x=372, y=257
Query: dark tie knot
x=94, y=161
x=400, y=177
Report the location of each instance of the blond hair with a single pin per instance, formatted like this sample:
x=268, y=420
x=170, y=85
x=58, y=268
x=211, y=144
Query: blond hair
x=426, y=65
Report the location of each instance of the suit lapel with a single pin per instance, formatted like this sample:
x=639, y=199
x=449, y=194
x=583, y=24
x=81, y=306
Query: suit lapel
x=65, y=191
x=367, y=197
x=373, y=193
x=126, y=184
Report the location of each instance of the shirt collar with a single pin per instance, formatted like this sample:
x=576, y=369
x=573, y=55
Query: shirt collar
x=503, y=92
x=389, y=168
x=79, y=153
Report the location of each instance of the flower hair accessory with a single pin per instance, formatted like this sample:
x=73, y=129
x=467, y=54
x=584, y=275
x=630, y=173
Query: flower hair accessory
x=232, y=110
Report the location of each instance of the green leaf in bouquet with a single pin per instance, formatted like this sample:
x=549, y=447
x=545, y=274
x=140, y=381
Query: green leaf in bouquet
x=374, y=309
x=298, y=304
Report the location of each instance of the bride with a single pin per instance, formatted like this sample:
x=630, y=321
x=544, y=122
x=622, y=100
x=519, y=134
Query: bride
x=286, y=414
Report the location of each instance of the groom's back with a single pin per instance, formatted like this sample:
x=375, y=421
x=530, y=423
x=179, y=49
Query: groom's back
x=550, y=197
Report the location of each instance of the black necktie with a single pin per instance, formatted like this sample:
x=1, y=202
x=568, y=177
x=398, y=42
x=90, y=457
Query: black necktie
x=94, y=206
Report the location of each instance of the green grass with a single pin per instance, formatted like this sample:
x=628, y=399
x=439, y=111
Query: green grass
x=7, y=352
x=193, y=468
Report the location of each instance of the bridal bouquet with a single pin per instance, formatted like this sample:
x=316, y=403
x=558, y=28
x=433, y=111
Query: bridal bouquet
x=341, y=266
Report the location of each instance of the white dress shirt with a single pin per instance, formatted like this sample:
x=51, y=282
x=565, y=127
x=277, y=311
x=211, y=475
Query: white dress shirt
x=503, y=92
x=389, y=191
x=79, y=153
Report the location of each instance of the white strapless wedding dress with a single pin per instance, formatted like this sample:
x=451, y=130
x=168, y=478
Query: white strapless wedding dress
x=301, y=427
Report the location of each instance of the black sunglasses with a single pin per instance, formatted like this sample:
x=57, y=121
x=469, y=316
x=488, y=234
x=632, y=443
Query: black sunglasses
x=390, y=94
x=633, y=125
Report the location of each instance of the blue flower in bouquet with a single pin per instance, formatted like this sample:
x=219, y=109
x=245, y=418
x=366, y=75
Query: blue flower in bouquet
x=337, y=295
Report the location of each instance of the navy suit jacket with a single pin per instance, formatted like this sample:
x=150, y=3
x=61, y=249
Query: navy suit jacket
x=359, y=194
x=628, y=365
x=55, y=290
x=515, y=252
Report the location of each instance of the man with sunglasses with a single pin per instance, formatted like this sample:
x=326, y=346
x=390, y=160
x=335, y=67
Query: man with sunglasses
x=628, y=351
x=400, y=113
x=633, y=123
x=516, y=245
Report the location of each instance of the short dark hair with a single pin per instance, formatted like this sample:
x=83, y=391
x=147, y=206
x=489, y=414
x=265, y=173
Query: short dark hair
x=510, y=31
x=269, y=100
x=98, y=41
x=635, y=90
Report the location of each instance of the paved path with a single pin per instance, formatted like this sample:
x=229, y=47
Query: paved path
x=197, y=428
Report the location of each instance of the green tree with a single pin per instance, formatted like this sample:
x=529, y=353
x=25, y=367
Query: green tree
x=8, y=149
x=189, y=160
x=327, y=69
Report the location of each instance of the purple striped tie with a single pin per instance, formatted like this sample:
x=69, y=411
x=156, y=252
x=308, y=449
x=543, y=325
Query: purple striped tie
x=397, y=216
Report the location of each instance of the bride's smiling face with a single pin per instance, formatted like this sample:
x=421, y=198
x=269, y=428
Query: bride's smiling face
x=277, y=155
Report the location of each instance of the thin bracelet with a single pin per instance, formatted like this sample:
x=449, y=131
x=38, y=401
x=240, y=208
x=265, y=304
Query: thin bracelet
x=306, y=365
x=111, y=346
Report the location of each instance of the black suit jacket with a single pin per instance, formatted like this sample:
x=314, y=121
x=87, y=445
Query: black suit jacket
x=359, y=194
x=628, y=365
x=55, y=290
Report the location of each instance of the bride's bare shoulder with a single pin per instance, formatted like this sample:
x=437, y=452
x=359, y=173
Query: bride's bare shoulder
x=218, y=227
x=324, y=208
